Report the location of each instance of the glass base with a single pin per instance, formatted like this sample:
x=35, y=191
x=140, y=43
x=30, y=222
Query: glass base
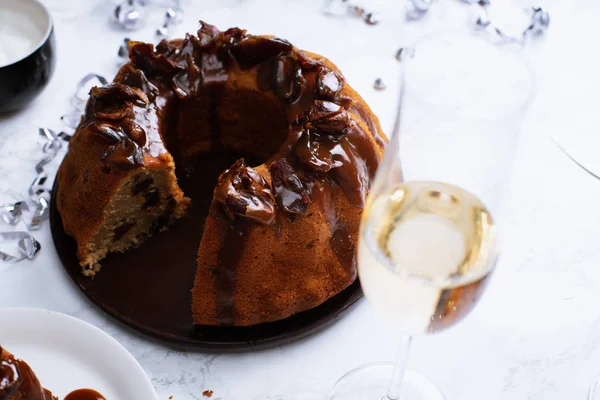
x=371, y=382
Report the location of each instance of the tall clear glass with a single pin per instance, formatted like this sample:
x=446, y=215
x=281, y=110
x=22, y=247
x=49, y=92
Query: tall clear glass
x=594, y=393
x=430, y=230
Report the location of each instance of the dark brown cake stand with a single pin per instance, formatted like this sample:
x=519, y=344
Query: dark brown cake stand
x=149, y=288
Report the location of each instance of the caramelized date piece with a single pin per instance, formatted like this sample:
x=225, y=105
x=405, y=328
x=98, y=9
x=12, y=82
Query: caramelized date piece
x=117, y=93
x=107, y=131
x=113, y=132
x=142, y=55
x=321, y=128
x=306, y=62
x=166, y=48
x=134, y=77
x=328, y=118
x=123, y=152
x=244, y=193
x=114, y=101
x=255, y=50
x=287, y=78
x=290, y=193
x=207, y=33
x=124, y=155
x=329, y=83
x=283, y=76
x=134, y=131
x=316, y=154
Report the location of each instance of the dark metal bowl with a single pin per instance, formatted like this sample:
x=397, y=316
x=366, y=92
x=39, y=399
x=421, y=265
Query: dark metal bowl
x=23, y=79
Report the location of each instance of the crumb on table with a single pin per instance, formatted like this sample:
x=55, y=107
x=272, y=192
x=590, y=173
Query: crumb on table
x=207, y=393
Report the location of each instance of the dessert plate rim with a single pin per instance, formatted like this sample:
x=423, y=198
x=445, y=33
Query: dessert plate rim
x=43, y=338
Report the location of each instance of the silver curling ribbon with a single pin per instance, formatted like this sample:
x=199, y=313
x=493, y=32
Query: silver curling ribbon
x=28, y=247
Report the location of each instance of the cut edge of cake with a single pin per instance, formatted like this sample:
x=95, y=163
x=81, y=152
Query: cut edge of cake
x=147, y=202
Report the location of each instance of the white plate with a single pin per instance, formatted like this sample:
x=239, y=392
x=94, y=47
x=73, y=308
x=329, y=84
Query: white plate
x=67, y=354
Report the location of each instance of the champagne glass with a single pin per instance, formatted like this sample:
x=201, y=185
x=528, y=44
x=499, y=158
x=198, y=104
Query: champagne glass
x=429, y=236
x=594, y=393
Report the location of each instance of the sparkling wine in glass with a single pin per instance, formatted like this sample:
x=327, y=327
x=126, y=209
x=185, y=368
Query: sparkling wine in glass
x=429, y=237
x=425, y=255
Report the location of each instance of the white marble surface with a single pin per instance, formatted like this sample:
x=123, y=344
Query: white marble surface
x=536, y=332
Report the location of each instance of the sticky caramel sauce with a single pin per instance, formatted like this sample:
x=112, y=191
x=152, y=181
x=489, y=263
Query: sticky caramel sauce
x=84, y=394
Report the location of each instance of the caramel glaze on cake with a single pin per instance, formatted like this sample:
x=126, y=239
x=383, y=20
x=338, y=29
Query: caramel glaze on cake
x=280, y=234
x=17, y=380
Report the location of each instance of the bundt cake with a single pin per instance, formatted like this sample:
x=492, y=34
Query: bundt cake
x=17, y=380
x=280, y=234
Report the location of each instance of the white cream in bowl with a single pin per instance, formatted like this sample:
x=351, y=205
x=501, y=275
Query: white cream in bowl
x=24, y=26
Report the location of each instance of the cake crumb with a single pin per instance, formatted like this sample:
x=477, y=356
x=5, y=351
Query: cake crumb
x=170, y=397
x=207, y=393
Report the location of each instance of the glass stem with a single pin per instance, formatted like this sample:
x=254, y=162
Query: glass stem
x=396, y=384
